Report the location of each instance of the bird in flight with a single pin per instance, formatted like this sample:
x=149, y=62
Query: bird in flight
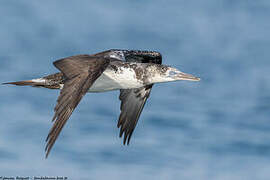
x=133, y=72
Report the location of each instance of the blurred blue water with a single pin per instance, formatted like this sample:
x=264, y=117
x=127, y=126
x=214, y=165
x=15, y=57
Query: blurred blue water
x=215, y=129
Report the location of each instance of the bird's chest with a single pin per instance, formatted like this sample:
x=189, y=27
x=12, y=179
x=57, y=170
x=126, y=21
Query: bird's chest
x=122, y=78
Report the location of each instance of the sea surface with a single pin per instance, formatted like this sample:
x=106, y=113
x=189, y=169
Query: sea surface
x=215, y=129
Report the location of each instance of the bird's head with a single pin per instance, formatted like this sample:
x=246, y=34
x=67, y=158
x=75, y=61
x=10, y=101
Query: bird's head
x=174, y=74
x=167, y=73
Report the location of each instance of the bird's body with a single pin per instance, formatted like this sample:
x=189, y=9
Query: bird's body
x=131, y=72
x=120, y=75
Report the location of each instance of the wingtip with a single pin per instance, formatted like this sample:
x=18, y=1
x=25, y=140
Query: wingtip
x=126, y=142
x=47, y=154
x=47, y=138
x=125, y=138
x=129, y=139
x=20, y=83
x=47, y=151
x=121, y=131
x=120, y=136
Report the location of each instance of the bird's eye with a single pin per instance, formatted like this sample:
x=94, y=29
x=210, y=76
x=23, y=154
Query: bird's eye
x=172, y=73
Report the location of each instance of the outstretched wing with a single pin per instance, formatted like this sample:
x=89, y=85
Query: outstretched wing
x=80, y=73
x=133, y=100
x=132, y=103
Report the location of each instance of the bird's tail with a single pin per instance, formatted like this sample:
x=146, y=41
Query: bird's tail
x=53, y=81
x=26, y=83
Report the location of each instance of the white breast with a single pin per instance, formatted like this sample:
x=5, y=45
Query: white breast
x=124, y=78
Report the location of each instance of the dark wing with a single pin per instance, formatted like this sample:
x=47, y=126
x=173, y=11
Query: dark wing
x=80, y=73
x=132, y=103
x=133, y=100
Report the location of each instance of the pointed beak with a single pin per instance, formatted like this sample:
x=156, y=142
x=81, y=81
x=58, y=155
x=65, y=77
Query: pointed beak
x=187, y=77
